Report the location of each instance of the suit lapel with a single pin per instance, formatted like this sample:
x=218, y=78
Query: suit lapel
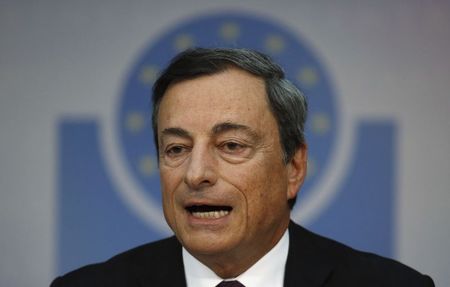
x=307, y=265
x=169, y=270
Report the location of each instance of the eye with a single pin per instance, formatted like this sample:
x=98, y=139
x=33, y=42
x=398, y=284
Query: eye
x=175, y=150
x=232, y=147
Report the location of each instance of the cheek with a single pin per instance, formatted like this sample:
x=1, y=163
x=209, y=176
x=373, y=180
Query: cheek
x=254, y=184
x=168, y=187
x=267, y=191
x=167, y=206
x=165, y=190
x=170, y=179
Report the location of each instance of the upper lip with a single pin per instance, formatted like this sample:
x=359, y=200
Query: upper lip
x=192, y=205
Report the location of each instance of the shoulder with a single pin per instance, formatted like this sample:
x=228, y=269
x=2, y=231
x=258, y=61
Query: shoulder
x=345, y=266
x=128, y=268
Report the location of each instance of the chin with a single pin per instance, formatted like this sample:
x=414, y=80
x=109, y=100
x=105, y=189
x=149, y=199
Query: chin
x=207, y=245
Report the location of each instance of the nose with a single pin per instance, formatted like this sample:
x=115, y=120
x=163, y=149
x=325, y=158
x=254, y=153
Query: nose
x=201, y=170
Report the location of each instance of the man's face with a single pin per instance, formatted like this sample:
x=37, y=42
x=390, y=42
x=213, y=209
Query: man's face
x=224, y=184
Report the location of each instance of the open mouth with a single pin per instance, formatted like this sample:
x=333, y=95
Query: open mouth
x=209, y=211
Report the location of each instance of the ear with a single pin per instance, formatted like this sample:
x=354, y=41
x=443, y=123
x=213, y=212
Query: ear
x=297, y=168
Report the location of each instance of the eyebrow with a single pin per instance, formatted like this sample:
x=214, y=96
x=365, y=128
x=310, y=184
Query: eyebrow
x=179, y=132
x=229, y=126
x=216, y=130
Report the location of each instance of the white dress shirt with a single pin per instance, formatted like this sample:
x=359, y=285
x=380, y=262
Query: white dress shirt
x=267, y=271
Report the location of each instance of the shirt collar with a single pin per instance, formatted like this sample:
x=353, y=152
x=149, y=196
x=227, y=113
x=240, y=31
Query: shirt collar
x=267, y=271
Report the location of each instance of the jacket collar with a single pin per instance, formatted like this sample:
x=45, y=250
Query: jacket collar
x=169, y=270
x=308, y=264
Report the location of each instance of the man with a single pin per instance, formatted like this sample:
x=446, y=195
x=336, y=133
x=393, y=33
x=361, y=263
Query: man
x=232, y=156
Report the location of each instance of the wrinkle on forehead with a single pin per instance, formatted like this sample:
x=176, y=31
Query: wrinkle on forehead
x=218, y=87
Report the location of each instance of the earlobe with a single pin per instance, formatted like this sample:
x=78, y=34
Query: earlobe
x=297, y=169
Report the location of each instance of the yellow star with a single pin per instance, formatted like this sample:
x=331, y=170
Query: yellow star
x=148, y=165
x=149, y=74
x=229, y=31
x=134, y=122
x=275, y=44
x=320, y=123
x=183, y=42
x=308, y=76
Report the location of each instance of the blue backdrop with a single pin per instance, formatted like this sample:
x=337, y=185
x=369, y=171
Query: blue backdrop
x=95, y=222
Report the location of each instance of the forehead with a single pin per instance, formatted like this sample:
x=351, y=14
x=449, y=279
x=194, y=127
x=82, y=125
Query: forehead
x=233, y=95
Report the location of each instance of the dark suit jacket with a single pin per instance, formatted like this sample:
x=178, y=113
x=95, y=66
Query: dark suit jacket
x=312, y=261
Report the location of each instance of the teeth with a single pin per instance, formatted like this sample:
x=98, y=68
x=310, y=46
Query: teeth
x=211, y=214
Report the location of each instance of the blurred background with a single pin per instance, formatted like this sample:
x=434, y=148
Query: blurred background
x=78, y=178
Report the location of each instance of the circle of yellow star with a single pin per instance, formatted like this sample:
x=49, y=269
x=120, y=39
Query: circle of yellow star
x=320, y=123
x=147, y=165
x=135, y=122
x=275, y=44
x=183, y=42
x=308, y=76
x=149, y=74
x=229, y=31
